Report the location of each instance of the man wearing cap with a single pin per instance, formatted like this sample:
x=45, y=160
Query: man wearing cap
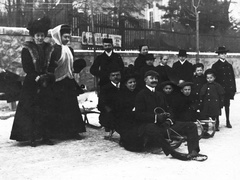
x=225, y=76
x=107, y=99
x=183, y=68
x=146, y=102
x=103, y=62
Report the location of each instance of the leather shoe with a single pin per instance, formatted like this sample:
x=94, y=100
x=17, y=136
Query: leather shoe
x=47, y=142
x=33, y=144
x=78, y=137
x=229, y=125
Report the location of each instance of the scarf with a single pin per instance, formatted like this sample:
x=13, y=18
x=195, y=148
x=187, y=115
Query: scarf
x=65, y=63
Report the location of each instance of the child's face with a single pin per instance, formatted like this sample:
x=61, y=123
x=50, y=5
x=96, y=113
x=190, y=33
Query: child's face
x=222, y=56
x=167, y=89
x=164, y=60
x=199, y=71
x=149, y=62
x=210, y=78
x=186, y=90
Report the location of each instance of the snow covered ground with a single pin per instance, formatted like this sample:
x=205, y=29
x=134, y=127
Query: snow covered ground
x=96, y=158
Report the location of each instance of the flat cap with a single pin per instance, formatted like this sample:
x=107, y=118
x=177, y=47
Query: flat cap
x=151, y=73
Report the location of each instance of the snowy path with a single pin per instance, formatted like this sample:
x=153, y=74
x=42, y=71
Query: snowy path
x=96, y=158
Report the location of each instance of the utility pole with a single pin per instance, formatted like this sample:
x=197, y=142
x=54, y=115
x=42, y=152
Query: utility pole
x=197, y=28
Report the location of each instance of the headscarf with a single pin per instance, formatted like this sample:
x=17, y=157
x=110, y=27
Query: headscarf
x=65, y=63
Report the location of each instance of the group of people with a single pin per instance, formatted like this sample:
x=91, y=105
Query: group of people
x=142, y=102
x=48, y=106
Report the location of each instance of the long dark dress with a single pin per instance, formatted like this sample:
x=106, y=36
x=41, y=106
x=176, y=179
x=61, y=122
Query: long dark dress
x=68, y=118
x=32, y=114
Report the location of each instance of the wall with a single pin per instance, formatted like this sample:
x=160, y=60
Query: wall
x=11, y=40
x=129, y=57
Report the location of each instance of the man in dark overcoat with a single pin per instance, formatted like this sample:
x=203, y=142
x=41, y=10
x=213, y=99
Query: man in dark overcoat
x=107, y=99
x=183, y=68
x=145, y=103
x=225, y=76
x=103, y=61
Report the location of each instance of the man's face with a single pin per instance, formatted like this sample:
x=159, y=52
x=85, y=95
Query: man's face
x=222, y=56
x=144, y=50
x=107, y=47
x=182, y=58
x=151, y=81
x=164, y=60
x=199, y=71
x=115, y=77
x=167, y=89
x=186, y=90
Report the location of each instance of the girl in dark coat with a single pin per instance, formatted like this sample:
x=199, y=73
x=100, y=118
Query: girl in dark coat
x=33, y=112
x=68, y=122
x=212, y=98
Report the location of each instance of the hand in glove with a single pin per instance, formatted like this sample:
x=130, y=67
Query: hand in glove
x=161, y=118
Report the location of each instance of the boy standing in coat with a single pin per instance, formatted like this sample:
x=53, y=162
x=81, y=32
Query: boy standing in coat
x=225, y=77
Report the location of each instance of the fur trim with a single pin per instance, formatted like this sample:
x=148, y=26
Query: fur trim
x=41, y=65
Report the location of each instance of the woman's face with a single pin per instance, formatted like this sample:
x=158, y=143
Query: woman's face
x=131, y=84
x=144, y=50
x=66, y=38
x=39, y=37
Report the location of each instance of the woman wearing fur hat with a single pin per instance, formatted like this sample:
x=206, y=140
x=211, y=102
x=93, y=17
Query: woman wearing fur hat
x=68, y=122
x=33, y=112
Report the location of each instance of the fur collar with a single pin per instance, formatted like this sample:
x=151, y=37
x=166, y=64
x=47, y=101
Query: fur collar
x=40, y=56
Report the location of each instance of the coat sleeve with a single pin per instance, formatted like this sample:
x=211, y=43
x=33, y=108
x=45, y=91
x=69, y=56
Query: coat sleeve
x=95, y=68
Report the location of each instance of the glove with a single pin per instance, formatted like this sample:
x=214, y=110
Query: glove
x=161, y=118
x=45, y=80
x=167, y=124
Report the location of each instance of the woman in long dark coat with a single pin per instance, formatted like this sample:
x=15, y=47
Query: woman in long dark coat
x=68, y=122
x=32, y=115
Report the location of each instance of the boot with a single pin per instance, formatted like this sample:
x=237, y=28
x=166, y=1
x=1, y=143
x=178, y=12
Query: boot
x=227, y=118
x=217, y=124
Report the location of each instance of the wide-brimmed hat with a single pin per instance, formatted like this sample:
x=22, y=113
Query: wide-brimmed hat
x=129, y=72
x=165, y=83
x=182, y=53
x=183, y=84
x=221, y=49
x=149, y=57
x=39, y=25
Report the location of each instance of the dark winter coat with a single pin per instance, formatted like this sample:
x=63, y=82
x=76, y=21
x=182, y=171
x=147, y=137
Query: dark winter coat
x=184, y=108
x=183, y=71
x=212, y=98
x=101, y=65
x=225, y=77
x=198, y=82
x=140, y=62
x=34, y=107
x=107, y=104
x=67, y=120
x=145, y=103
